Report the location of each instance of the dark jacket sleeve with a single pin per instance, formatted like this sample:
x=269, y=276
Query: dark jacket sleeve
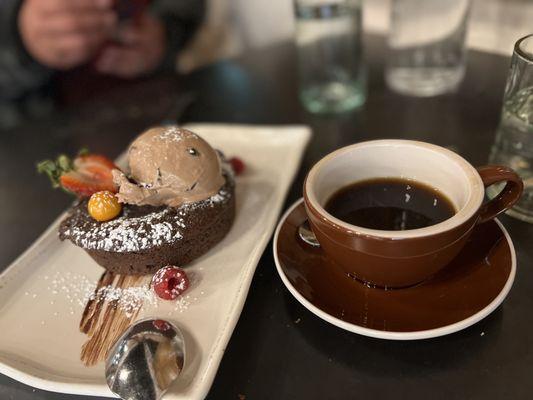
x=19, y=73
x=182, y=18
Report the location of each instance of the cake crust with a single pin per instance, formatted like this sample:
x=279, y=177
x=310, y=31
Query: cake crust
x=146, y=238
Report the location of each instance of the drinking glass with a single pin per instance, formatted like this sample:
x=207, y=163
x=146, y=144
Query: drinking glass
x=427, y=53
x=514, y=139
x=328, y=39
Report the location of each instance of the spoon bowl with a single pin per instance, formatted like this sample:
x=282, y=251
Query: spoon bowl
x=145, y=361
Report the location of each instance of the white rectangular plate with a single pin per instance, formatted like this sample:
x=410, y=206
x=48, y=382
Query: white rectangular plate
x=40, y=310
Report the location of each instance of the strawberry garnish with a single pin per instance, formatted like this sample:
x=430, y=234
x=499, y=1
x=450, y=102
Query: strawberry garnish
x=94, y=159
x=87, y=174
x=90, y=174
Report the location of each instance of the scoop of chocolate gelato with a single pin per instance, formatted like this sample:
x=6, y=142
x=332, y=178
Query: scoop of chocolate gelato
x=169, y=166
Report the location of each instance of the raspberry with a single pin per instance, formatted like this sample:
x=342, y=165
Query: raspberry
x=169, y=282
x=238, y=165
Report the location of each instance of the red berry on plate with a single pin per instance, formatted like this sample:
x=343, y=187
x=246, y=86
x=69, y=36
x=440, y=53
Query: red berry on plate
x=238, y=165
x=169, y=282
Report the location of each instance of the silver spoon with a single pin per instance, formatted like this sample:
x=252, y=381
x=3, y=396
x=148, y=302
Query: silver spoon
x=145, y=361
x=307, y=235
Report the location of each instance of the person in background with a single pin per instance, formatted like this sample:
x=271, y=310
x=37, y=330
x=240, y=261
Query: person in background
x=43, y=39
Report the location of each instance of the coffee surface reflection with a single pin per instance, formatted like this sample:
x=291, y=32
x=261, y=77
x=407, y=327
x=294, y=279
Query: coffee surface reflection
x=391, y=204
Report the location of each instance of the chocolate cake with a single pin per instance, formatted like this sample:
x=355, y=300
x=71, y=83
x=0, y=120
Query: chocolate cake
x=144, y=238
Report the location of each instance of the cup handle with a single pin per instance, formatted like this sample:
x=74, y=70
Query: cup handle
x=509, y=195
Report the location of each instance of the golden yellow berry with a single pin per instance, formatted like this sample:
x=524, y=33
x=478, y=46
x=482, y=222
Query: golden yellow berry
x=104, y=206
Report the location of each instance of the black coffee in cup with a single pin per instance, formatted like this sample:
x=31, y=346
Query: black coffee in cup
x=391, y=204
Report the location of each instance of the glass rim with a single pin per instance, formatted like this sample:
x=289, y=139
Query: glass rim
x=522, y=53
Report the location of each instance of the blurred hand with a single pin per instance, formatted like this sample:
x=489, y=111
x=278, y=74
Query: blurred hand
x=140, y=49
x=63, y=34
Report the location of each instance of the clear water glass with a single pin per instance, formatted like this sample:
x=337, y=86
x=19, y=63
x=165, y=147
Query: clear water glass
x=514, y=140
x=427, y=54
x=328, y=39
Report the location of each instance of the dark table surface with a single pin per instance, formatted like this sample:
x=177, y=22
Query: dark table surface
x=279, y=350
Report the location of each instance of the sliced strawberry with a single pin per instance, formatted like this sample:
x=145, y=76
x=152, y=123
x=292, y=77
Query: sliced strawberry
x=83, y=185
x=90, y=174
x=95, y=159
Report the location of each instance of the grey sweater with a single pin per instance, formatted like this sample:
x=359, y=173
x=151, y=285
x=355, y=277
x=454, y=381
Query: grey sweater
x=23, y=80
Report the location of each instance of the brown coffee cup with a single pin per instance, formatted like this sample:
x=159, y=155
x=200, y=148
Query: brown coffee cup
x=403, y=258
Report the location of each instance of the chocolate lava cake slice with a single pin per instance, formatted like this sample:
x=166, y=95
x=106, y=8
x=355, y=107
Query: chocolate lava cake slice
x=146, y=238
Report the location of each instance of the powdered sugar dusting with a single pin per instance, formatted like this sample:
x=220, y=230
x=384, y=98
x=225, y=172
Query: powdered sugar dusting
x=78, y=290
x=181, y=304
x=129, y=234
x=175, y=134
x=129, y=300
x=126, y=234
